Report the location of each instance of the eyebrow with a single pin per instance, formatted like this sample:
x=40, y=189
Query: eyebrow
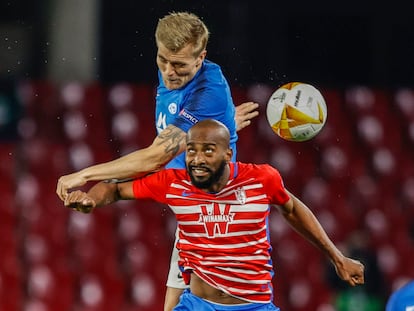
x=204, y=144
x=172, y=63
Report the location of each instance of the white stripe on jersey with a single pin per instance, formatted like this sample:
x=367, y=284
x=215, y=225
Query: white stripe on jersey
x=219, y=261
x=249, y=207
x=230, y=278
x=224, y=246
x=228, y=234
x=236, y=185
x=221, y=201
x=229, y=190
x=235, y=258
x=178, y=186
x=236, y=270
x=239, y=222
x=234, y=207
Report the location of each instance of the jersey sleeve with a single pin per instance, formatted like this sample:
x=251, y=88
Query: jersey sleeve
x=205, y=103
x=152, y=186
x=274, y=185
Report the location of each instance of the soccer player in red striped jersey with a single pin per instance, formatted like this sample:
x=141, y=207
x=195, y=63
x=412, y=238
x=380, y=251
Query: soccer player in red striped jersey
x=222, y=210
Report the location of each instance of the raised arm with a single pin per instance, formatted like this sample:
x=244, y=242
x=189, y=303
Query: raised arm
x=245, y=113
x=301, y=218
x=168, y=144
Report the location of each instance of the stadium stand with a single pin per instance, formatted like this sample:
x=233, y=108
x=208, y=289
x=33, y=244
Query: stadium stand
x=357, y=174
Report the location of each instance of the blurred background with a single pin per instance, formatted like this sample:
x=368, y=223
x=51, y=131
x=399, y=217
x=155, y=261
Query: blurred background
x=77, y=86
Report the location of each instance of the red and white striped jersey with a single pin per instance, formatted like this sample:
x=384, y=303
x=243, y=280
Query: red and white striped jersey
x=223, y=237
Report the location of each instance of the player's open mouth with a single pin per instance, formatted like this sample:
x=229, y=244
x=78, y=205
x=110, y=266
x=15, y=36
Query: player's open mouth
x=200, y=171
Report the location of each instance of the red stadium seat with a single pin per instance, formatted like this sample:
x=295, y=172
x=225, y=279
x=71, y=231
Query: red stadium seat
x=101, y=292
x=11, y=292
x=41, y=111
x=404, y=100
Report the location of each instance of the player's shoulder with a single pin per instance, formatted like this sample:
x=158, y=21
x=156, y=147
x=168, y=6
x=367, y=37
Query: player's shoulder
x=403, y=297
x=209, y=65
x=406, y=290
x=211, y=74
x=257, y=169
x=174, y=172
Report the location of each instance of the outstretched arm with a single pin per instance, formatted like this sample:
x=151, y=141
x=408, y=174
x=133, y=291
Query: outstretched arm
x=168, y=144
x=301, y=218
x=103, y=193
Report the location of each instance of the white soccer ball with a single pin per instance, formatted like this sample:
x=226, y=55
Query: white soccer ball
x=297, y=111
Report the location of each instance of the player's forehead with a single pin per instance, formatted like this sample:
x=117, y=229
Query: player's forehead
x=183, y=55
x=204, y=137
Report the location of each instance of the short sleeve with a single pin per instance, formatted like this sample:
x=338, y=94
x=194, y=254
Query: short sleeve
x=152, y=186
x=274, y=184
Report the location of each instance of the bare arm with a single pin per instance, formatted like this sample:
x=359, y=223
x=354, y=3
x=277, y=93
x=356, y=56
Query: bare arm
x=168, y=144
x=101, y=194
x=301, y=218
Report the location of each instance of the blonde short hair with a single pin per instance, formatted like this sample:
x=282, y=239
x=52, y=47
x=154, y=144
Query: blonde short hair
x=178, y=29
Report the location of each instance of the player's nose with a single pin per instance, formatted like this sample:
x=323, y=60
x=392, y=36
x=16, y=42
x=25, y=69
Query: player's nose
x=199, y=158
x=169, y=69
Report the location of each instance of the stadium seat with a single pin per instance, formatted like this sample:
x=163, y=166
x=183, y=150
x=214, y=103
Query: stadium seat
x=84, y=117
x=42, y=110
x=11, y=292
x=132, y=107
x=404, y=100
x=357, y=173
x=101, y=292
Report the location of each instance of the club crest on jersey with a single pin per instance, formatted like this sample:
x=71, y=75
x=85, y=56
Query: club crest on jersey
x=172, y=108
x=240, y=195
x=216, y=218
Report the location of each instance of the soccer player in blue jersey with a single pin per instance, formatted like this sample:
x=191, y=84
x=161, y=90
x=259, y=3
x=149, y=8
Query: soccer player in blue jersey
x=402, y=299
x=190, y=89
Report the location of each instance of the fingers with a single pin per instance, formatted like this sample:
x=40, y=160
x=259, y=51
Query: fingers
x=60, y=190
x=67, y=182
x=356, y=277
x=79, y=201
x=244, y=113
x=357, y=280
x=247, y=107
x=351, y=271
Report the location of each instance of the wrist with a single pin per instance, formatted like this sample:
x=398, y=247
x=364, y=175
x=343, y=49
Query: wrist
x=337, y=258
x=85, y=175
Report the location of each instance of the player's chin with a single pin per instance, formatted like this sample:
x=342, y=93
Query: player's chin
x=173, y=84
x=201, y=181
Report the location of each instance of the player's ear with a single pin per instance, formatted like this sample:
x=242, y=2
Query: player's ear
x=229, y=154
x=201, y=57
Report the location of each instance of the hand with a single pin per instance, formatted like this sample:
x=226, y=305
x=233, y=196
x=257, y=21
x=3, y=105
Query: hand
x=80, y=201
x=245, y=113
x=67, y=182
x=351, y=271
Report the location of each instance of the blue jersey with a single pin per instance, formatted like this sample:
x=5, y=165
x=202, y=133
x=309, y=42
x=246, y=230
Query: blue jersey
x=402, y=299
x=206, y=96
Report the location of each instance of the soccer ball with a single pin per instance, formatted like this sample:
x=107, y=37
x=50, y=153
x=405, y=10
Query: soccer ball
x=297, y=111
